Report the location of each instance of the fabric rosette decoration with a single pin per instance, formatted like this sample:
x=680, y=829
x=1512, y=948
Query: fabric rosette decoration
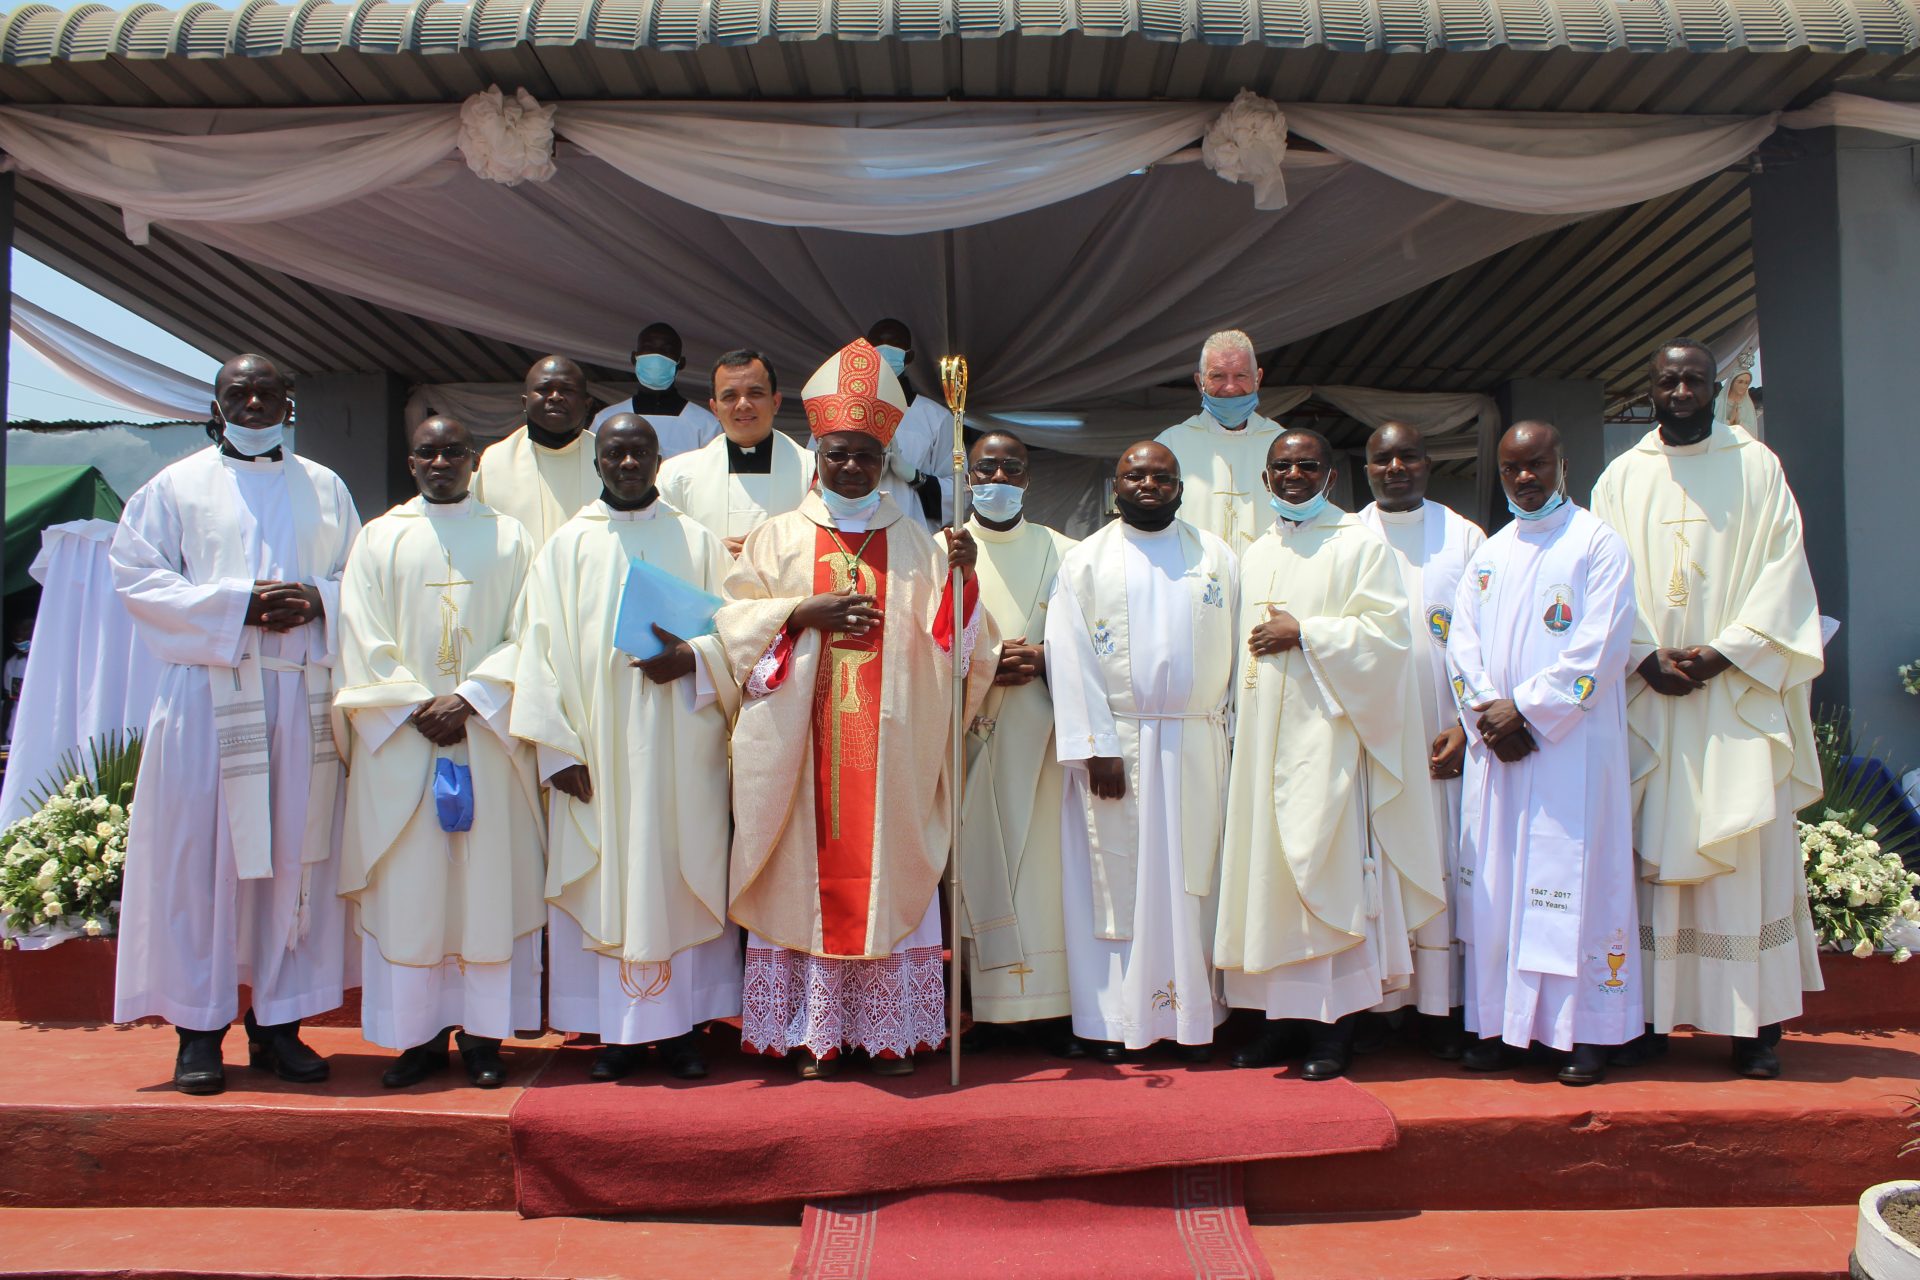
x=507, y=140
x=1248, y=143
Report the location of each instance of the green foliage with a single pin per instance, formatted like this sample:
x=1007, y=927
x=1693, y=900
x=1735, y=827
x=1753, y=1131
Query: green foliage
x=1856, y=799
x=110, y=768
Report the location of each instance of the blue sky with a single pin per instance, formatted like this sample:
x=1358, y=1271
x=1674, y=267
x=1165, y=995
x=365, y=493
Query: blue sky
x=35, y=390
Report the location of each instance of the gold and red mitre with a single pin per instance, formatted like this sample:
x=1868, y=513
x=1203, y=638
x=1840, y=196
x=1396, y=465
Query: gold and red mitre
x=855, y=390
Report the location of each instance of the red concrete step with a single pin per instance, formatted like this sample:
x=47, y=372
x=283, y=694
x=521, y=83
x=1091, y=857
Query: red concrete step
x=299, y=1244
x=87, y=1119
x=307, y=1244
x=1636, y=1244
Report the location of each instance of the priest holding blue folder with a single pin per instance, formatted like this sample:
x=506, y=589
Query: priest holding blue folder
x=630, y=728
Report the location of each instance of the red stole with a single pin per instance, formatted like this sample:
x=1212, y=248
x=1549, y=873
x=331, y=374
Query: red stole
x=846, y=740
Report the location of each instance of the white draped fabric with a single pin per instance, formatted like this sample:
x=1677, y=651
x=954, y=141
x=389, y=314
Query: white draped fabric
x=108, y=369
x=88, y=672
x=761, y=211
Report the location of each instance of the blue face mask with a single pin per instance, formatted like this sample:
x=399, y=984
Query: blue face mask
x=254, y=441
x=998, y=502
x=841, y=508
x=896, y=357
x=1230, y=411
x=1548, y=507
x=1298, y=511
x=656, y=373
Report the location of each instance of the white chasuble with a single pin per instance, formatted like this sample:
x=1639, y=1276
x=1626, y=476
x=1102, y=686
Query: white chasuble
x=1010, y=819
x=429, y=607
x=732, y=505
x=1715, y=537
x=1431, y=544
x=841, y=759
x=1220, y=476
x=1544, y=618
x=1140, y=655
x=637, y=875
x=678, y=433
x=1331, y=857
x=235, y=833
x=538, y=486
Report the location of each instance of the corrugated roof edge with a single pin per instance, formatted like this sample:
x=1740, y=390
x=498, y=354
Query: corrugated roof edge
x=37, y=34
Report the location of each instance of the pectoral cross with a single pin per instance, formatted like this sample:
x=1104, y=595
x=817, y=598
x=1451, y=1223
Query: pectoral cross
x=1021, y=971
x=447, y=659
x=1678, y=593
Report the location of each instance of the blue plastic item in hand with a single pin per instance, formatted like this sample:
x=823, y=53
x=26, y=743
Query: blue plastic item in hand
x=453, y=794
x=655, y=597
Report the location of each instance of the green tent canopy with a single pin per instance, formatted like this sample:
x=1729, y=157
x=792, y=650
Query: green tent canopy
x=42, y=496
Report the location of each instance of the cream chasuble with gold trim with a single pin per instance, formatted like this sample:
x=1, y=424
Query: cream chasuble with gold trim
x=542, y=488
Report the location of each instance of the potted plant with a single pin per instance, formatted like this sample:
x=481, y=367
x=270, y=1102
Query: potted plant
x=1886, y=1238
x=60, y=866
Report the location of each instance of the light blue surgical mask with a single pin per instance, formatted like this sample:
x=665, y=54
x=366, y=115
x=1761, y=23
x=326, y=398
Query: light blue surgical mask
x=842, y=508
x=1230, y=411
x=998, y=502
x=1548, y=507
x=1298, y=511
x=254, y=441
x=656, y=372
x=896, y=357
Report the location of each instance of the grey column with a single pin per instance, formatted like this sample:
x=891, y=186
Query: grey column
x=1575, y=406
x=1836, y=247
x=354, y=423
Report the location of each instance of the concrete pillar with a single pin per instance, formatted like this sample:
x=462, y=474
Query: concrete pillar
x=354, y=423
x=1576, y=406
x=1836, y=248
x=6, y=339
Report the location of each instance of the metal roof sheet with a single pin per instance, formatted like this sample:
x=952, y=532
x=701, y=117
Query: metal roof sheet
x=433, y=50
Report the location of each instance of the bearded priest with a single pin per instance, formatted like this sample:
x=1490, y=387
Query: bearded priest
x=839, y=626
x=1332, y=856
x=1140, y=659
x=636, y=753
x=445, y=872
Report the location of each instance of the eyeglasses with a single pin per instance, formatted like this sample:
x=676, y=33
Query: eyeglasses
x=1012, y=468
x=451, y=452
x=853, y=457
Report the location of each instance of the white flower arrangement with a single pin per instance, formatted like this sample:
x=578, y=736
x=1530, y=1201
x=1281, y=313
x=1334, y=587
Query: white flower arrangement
x=1909, y=673
x=1857, y=891
x=60, y=867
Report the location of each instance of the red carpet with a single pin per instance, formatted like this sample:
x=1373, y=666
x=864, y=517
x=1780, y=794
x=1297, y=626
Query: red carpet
x=753, y=1134
x=1154, y=1225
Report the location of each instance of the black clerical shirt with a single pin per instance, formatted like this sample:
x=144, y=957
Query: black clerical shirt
x=752, y=460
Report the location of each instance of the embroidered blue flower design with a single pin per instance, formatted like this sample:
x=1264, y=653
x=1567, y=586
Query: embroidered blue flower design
x=1213, y=595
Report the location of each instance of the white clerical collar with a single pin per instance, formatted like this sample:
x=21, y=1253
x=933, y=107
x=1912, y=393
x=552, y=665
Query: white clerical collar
x=1172, y=530
x=985, y=534
x=447, y=510
x=1548, y=524
x=1416, y=516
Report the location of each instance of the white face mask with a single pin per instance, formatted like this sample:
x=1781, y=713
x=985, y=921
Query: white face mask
x=252, y=441
x=998, y=502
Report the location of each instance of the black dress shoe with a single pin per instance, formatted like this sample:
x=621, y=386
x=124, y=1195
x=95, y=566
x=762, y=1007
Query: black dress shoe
x=1067, y=1046
x=1107, y=1051
x=197, y=1067
x=1488, y=1053
x=616, y=1061
x=1331, y=1051
x=1370, y=1031
x=1279, y=1040
x=1444, y=1035
x=1755, y=1059
x=1197, y=1054
x=416, y=1064
x=279, y=1049
x=481, y=1054
x=682, y=1056
x=1587, y=1064
x=1647, y=1047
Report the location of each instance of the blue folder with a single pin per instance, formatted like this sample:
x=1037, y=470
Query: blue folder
x=654, y=596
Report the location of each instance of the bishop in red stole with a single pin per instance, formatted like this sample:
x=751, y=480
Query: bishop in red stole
x=838, y=627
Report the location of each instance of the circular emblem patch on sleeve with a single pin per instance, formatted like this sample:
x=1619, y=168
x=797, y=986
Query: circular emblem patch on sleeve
x=1583, y=687
x=1440, y=622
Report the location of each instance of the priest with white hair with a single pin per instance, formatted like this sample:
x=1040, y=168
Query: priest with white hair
x=1222, y=450
x=229, y=562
